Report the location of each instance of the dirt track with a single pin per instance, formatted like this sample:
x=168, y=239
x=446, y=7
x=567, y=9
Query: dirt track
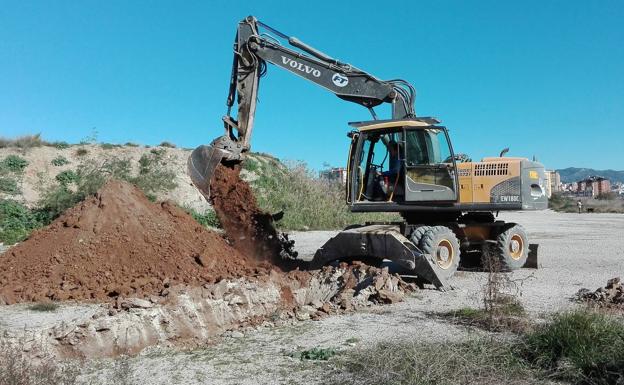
x=575, y=250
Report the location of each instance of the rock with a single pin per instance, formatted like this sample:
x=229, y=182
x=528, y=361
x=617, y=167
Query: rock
x=390, y=296
x=134, y=303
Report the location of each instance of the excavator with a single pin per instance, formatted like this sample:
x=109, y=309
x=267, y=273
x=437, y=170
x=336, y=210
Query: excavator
x=405, y=164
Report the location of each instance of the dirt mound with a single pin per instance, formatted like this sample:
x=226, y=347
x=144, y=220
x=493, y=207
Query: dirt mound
x=250, y=229
x=118, y=243
x=612, y=295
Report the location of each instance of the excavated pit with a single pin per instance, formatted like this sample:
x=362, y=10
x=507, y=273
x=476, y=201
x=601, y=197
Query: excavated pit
x=162, y=279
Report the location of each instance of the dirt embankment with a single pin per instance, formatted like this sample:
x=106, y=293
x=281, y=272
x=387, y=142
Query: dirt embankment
x=118, y=243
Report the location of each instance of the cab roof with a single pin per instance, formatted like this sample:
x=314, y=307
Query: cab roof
x=412, y=122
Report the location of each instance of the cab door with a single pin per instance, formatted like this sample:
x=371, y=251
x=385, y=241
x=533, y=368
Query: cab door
x=430, y=170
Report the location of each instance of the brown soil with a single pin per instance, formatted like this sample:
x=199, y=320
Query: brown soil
x=119, y=243
x=250, y=229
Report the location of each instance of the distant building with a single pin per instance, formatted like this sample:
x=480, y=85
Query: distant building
x=335, y=174
x=554, y=182
x=593, y=186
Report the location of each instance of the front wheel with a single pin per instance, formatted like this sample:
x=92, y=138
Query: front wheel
x=441, y=243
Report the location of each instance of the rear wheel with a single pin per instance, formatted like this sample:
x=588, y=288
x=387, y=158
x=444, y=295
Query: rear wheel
x=512, y=248
x=442, y=244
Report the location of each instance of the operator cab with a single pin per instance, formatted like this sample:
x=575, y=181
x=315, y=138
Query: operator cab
x=401, y=162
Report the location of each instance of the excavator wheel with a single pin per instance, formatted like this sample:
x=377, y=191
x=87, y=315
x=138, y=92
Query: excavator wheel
x=441, y=243
x=512, y=248
x=418, y=233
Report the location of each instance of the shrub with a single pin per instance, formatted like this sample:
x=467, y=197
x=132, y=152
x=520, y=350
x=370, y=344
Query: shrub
x=130, y=144
x=9, y=186
x=82, y=151
x=560, y=202
x=308, y=203
x=60, y=145
x=59, y=161
x=109, y=146
x=16, y=222
x=167, y=144
x=208, y=218
x=607, y=196
x=154, y=175
x=580, y=346
x=13, y=164
x=322, y=354
x=66, y=177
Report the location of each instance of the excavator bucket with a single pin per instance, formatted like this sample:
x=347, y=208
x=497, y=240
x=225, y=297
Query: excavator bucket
x=201, y=166
x=204, y=161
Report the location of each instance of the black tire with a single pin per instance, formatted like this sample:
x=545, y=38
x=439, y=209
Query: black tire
x=418, y=233
x=512, y=248
x=441, y=243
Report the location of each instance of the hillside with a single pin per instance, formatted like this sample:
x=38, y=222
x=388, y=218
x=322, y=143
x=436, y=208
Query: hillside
x=574, y=174
x=39, y=182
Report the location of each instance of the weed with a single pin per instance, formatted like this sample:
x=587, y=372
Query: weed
x=580, y=346
x=59, y=161
x=82, y=151
x=322, y=354
x=13, y=164
x=16, y=222
x=167, y=144
x=9, y=186
x=352, y=340
x=44, y=307
x=208, y=218
x=130, y=144
x=66, y=177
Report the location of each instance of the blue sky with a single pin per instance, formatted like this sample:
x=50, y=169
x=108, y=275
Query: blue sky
x=545, y=78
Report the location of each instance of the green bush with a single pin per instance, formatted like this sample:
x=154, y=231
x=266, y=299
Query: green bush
x=154, y=175
x=59, y=161
x=322, y=354
x=579, y=346
x=16, y=221
x=308, y=203
x=167, y=144
x=13, y=164
x=130, y=144
x=66, y=177
x=562, y=203
x=60, y=145
x=208, y=218
x=607, y=196
x=9, y=186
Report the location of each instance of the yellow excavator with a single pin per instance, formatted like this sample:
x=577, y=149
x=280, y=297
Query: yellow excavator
x=405, y=164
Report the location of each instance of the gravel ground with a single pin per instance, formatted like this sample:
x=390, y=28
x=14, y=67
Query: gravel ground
x=575, y=251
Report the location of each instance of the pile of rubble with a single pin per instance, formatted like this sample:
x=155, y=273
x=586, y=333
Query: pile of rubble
x=610, y=295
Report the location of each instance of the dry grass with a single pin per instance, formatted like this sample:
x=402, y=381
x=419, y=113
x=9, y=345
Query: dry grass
x=19, y=368
x=24, y=142
x=478, y=361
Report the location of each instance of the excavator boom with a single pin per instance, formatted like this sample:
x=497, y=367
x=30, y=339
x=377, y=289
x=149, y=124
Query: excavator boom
x=252, y=50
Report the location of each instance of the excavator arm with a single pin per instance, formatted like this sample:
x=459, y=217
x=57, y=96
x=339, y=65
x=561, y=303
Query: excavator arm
x=252, y=50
